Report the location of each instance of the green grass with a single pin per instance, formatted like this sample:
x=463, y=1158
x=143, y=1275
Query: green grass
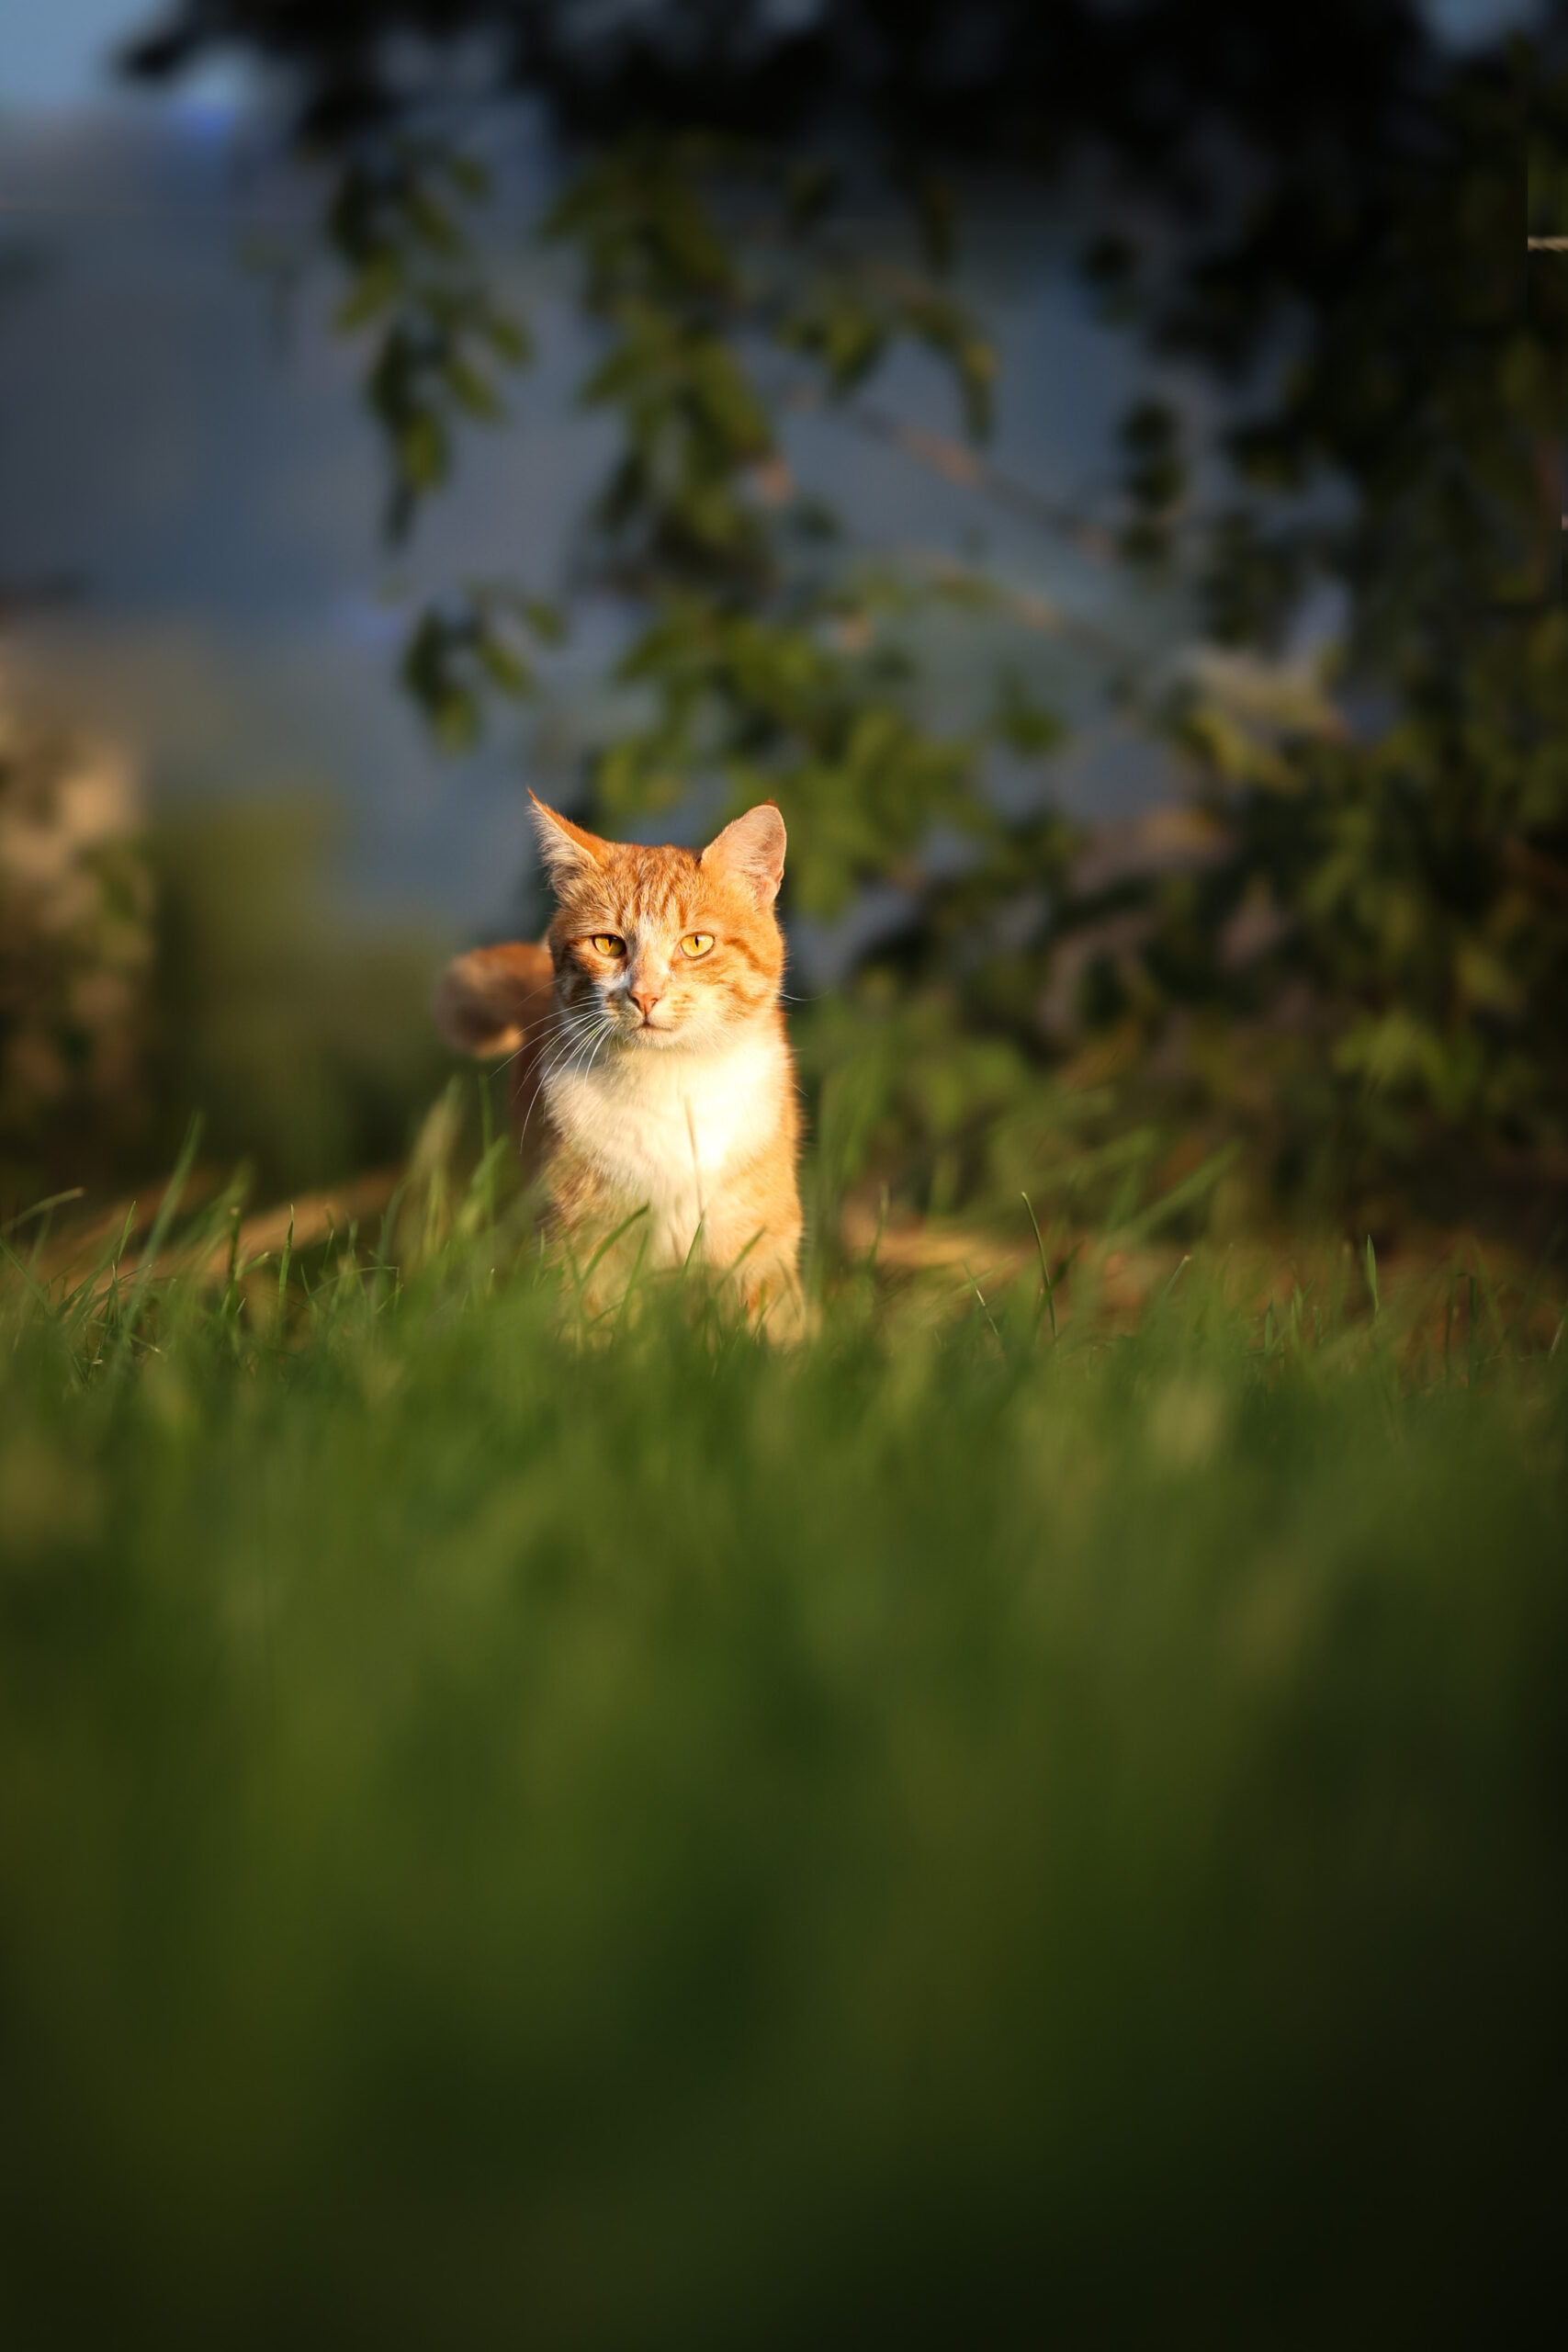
x=941, y=1837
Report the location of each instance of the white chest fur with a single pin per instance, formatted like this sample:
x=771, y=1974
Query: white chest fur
x=664, y=1127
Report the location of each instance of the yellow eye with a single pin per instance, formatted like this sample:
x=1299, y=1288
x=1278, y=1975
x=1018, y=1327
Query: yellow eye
x=697, y=943
x=606, y=944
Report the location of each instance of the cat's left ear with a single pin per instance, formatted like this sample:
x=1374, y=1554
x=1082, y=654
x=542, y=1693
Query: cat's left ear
x=752, y=849
x=569, y=851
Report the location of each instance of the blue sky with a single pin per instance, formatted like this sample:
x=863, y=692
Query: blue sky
x=55, y=55
x=58, y=55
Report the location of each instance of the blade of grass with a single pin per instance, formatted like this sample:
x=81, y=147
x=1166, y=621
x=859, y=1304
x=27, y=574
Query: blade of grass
x=78, y=1302
x=1048, y=1293
x=39, y=1295
x=739, y=1259
x=388, y=1225
x=477, y=1214
x=41, y=1208
x=227, y=1304
x=168, y=1208
x=877, y=1237
x=487, y=1144
x=691, y=1247
x=985, y=1309
x=383, y=1267
x=1180, y=1196
x=624, y=1307
x=284, y=1261
x=610, y=1240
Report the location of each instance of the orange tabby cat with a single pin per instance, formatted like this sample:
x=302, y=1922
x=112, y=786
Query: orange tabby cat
x=649, y=1043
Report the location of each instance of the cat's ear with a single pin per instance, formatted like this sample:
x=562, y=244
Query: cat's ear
x=569, y=851
x=752, y=849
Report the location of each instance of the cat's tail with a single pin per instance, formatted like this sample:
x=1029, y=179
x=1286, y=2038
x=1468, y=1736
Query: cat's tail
x=487, y=1002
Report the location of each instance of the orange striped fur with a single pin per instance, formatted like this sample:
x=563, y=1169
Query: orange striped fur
x=651, y=1068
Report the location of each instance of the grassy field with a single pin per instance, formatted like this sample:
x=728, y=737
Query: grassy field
x=1023, y=1821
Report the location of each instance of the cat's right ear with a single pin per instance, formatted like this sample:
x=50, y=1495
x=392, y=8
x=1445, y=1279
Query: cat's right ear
x=569, y=851
x=752, y=849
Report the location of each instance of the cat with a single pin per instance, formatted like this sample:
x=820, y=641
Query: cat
x=650, y=1055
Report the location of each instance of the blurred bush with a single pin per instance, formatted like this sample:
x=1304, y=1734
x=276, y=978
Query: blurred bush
x=1356, y=968
x=76, y=951
x=303, y=1037
x=151, y=969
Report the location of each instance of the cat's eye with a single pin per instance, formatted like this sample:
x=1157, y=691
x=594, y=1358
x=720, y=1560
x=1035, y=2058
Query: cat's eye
x=697, y=943
x=605, y=943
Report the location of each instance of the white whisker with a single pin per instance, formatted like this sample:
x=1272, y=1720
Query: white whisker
x=584, y=1037
x=560, y=1018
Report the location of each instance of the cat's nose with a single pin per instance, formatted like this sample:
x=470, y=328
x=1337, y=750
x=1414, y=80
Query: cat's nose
x=645, y=996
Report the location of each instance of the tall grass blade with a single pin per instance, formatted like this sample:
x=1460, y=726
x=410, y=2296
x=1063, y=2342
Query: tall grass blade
x=1049, y=1292
x=611, y=1239
x=168, y=1208
x=39, y=1295
x=1182, y=1264
x=1181, y=1195
x=40, y=1208
x=284, y=1262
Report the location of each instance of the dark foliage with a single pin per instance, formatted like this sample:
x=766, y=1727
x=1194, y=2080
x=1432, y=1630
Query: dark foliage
x=1364, y=960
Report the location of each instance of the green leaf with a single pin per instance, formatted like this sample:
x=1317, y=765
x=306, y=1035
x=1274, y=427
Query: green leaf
x=729, y=400
x=374, y=290
x=503, y=665
x=472, y=390
x=507, y=336
x=431, y=222
x=424, y=450
x=546, y=620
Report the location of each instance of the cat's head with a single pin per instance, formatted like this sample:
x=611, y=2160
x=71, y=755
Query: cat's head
x=672, y=948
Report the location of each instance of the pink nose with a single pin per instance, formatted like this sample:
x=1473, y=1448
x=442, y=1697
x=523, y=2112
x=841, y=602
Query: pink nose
x=645, y=998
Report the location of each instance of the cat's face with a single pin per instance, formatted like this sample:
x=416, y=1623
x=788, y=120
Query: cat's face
x=662, y=948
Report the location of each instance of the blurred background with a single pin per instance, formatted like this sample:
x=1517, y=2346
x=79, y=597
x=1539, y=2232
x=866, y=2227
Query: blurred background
x=1097, y=467
x=1038, y=1815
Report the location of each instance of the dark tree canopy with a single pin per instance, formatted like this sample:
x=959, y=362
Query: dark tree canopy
x=996, y=81
x=1327, y=211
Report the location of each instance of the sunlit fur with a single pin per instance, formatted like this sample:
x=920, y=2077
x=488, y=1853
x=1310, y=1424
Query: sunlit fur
x=653, y=1080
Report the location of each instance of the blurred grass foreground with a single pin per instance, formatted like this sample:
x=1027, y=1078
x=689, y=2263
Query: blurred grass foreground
x=1001, y=1825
